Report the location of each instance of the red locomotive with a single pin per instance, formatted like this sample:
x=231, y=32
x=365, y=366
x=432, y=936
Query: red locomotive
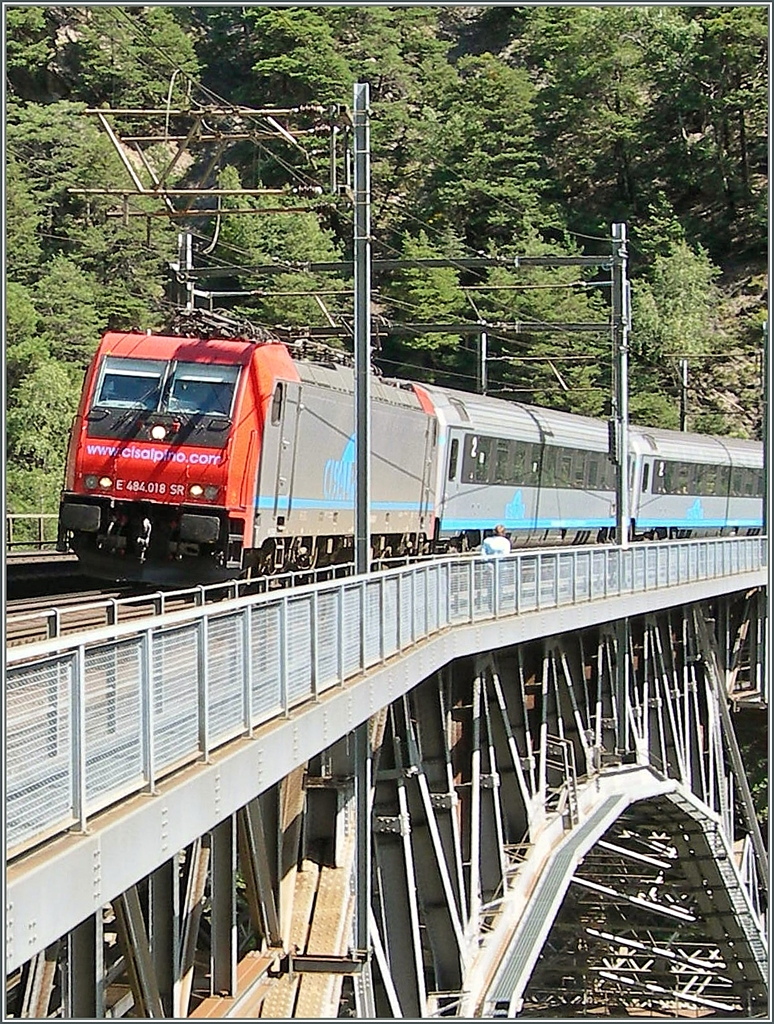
x=201, y=459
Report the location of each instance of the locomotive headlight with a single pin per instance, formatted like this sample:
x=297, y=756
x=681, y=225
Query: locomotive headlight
x=90, y=482
x=158, y=432
x=196, y=490
x=105, y=482
x=210, y=493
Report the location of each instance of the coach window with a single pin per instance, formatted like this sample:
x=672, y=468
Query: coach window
x=453, y=457
x=548, y=467
x=737, y=478
x=645, y=476
x=483, y=460
x=520, y=463
x=659, y=478
x=503, y=462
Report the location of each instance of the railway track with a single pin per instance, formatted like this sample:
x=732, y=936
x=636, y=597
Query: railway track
x=43, y=616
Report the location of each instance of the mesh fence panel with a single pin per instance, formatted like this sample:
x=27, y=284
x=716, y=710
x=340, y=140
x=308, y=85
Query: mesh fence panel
x=225, y=677
x=627, y=571
x=701, y=563
x=351, y=630
x=327, y=640
x=432, y=599
x=265, y=652
x=528, y=583
x=444, y=583
x=712, y=552
x=566, y=578
x=682, y=572
x=38, y=748
x=547, y=581
x=373, y=620
x=406, y=610
x=507, y=570
x=613, y=573
x=113, y=718
x=390, y=615
x=299, y=649
x=175, y=694
x=459, y=592
x=420, y=604
x=483, y=589
x=583, y=576
x=598, y=570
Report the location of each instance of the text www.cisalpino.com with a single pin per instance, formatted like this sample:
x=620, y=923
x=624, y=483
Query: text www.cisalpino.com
x=131, y=451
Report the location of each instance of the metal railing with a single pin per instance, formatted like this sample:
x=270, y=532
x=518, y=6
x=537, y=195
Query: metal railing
x=30, y=531
x=95, y=716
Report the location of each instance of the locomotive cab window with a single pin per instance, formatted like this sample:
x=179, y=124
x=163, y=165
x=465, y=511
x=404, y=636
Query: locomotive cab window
x=202, y=389
x=129, y=383
x=276, y=404
x=453, y=457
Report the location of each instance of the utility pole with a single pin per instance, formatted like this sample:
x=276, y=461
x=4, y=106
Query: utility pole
x=766, y=433
x=482, y=357
x=620, y=397
x=362, y=325
x=683, y=394
x=620, y=450
x=183, y=267
x=362, y=328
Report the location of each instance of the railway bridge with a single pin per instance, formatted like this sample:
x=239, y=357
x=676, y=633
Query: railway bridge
x=458, y=788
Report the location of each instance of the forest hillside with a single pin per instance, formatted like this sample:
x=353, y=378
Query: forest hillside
x=495, y=131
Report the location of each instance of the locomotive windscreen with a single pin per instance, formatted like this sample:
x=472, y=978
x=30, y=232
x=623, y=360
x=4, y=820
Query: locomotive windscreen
x=156, y=386
x=130, y=383
x=195, y=388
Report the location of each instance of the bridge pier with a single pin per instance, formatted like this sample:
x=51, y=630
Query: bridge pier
x=542, y=829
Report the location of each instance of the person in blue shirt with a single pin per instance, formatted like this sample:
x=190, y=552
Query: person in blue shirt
x=496, y=545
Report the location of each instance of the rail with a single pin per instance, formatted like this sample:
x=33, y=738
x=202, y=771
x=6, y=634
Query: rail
x=93, y=717
x=30, y=531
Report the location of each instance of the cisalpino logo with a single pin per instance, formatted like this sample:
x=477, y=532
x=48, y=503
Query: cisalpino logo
x=142, y=454
x=339, y=475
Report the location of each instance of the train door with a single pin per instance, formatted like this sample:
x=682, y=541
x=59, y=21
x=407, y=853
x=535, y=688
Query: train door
x=428, y=473
x=286, y=457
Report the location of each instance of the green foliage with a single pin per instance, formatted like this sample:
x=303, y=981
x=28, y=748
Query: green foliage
x=67, y=299
x=23, y=215
x=498, y=131
x=294, y=56
x=676, y=310
x=39, y=416
x=284, y=240
x=434, y=295
x=130, y=56
x=484, y=175
x=24, y=347
x=29, y=47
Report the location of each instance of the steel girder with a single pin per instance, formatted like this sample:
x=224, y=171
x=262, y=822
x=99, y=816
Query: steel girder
x=527, y=814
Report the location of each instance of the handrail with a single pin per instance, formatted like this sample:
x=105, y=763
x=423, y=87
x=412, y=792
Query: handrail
x=38, y=538
x=95, y=716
